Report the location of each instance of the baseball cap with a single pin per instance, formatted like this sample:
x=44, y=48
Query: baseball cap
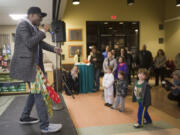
x=36, y=10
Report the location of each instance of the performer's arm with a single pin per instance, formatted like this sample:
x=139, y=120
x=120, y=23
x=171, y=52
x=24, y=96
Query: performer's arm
x=26, y=35
x=47, y=46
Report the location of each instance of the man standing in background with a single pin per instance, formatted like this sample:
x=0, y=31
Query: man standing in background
x=145, y=59
x=96, y=60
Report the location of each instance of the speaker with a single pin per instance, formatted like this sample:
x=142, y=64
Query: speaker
x=58, y=29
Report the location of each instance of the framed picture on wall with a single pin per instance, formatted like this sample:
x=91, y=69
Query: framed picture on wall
x=75, y=34
x=74, y=48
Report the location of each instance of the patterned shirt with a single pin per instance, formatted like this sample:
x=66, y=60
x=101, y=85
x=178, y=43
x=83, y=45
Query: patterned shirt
x=138, y=91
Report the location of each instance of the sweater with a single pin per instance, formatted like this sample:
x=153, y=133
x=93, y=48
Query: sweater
x=160, y=61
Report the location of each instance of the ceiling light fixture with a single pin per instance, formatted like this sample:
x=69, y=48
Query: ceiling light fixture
x=76, y=2
x=136, y=30
x=130, y=2
x=17, y=17
x=177, y=3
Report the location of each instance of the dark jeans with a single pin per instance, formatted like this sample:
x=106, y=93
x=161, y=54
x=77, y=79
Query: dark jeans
x=38, y=100
x=173, y=97
x=159, y=72
x=97, y=78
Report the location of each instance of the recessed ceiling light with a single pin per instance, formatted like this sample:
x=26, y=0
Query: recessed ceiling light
x=136, y=30
x=17, y=17
x=130, y=2
x=76, y=2
x=177, y=3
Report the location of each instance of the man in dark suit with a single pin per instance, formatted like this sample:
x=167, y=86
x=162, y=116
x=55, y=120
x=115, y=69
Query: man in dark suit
x=27, y=56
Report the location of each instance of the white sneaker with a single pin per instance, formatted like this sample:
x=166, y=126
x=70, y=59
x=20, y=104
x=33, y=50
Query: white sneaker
x=137, y=125
x=52, y=128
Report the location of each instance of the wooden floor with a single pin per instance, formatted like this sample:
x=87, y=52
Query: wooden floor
x=160, y=101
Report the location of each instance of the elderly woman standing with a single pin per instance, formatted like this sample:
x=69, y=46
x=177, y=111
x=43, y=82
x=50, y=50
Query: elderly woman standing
x=160, y=64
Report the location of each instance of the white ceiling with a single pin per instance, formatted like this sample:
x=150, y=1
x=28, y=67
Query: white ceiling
x=20, y=7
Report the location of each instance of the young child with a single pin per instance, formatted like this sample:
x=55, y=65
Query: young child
x=142, y=95
x=121, y=90
x=122, y=66
x=108, y=81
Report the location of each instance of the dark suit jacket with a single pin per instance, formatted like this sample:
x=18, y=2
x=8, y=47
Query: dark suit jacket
x=23, y=65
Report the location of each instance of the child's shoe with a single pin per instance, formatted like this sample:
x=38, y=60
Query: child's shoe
x=106, y=104
x=109, y=105
x=121, y=110
x=112, y=108
x=146, y=122
x=137, y=125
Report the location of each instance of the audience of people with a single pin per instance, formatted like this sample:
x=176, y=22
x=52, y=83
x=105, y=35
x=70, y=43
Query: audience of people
x=117, y=67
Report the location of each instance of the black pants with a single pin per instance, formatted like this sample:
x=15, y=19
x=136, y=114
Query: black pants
x=72, y=87
x=173, y=97
x=129, y=75
x=159, y=72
